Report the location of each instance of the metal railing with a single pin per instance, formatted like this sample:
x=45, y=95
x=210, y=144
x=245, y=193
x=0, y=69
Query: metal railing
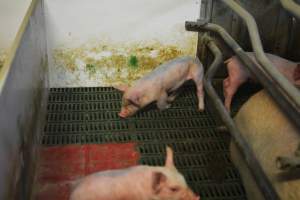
x=266, y=81
x=292, y=7
x=283, y=92
x=287, y=93
x=256, y=169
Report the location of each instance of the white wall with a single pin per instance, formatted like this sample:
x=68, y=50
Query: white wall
x=75, y=21
x=11, y=16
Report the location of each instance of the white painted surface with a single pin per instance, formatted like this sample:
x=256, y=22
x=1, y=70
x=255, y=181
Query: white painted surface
x=11, y=16
x=71, y=22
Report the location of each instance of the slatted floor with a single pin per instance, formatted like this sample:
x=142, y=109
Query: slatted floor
x=89, y=116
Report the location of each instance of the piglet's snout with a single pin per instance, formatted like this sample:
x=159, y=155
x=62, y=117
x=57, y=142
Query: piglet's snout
x=123, y=113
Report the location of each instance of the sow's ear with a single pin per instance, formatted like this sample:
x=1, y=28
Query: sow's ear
x=169, y=160
x=122, y=87
x=158, y=181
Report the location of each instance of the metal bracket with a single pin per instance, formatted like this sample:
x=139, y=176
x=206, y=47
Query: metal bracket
x=202, y=22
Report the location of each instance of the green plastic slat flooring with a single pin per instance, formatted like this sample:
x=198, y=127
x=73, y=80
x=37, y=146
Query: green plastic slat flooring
x=89, y=115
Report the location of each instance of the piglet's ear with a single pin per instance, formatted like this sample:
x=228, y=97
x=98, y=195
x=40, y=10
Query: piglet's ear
x=122, y=87
x=297, y=73
x=135, y=98
x=158, y=181
x=169, y=159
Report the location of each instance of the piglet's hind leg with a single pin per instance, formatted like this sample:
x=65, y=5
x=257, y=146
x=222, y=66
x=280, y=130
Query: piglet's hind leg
x=198, y=79
x=200, y=94
x=196, y=73
x=162, y=102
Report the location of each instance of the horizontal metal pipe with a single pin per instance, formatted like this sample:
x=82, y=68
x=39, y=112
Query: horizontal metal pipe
x=256, y=169
x=290, y=91
x=291, y=7
x=288, y=107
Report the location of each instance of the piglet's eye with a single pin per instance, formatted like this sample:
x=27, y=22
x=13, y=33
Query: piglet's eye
x=174, y=189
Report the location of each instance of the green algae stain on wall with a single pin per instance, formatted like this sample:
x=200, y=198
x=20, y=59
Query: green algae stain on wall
x=133, y=62
x=111, y=63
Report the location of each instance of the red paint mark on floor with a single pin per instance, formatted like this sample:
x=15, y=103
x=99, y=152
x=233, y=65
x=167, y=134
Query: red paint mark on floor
x=61, y=165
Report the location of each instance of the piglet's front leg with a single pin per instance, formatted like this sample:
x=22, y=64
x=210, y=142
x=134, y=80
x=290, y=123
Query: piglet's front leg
x=162, y=102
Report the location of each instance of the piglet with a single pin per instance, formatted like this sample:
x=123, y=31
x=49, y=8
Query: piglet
x=135, y=183
x=237, y=74
x=160, y=85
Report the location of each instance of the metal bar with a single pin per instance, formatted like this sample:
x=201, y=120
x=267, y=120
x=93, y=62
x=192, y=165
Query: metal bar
x=289, y=92
x=288, y=163
x=291, y=7
x=261, y=179
x=205, y=9
x=266, y=81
